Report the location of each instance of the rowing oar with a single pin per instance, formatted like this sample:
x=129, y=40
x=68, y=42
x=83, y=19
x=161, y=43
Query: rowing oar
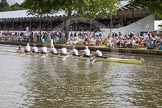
x=51, y=42
x=25, y=53
x=93, y=61
x=64, y=58
x=44, y=56
x=104, y=57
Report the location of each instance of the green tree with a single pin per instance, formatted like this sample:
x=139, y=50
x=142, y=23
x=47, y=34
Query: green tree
x=16, y=6
x=22, y=5
x=83, y=8
x=154, y=5
x=4, y=6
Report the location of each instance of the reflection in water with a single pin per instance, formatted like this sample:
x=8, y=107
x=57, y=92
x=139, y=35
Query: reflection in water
x=56, y=83
x=50, y=82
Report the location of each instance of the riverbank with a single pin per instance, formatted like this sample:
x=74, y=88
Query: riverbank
x=102, y=48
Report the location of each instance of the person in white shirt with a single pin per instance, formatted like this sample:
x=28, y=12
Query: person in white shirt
x=74, y=52
x=86, y=52
x=27, y=48
x=63, y=51
x=98, y=53
x=35, y=49
x=44, y=49
x=53, y=50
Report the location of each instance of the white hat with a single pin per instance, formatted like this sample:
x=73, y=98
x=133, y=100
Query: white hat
x=86, y=47
x=27, y=44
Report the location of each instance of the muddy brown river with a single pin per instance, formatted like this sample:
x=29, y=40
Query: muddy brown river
x=51, y=82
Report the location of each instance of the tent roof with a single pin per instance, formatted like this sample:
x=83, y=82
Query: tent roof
x=157, y=24
x=130, y=6
x=24, y=14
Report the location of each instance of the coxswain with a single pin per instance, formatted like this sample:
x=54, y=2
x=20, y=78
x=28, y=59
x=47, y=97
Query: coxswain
x=63, y=51
x=44, y=49
x=86, y=52
x=19, y=50
x=27, y=48
x=53, y=50
x=35, y=49
x=74, y=52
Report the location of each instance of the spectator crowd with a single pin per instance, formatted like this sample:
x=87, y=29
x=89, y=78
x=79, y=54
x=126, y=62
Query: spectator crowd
x=149, y=40
x=37, y=37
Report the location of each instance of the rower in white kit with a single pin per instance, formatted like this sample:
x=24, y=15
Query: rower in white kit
x=27, y=48
x=63, y=51
x=34, y=49
x=44, y=49
x=87, y=52
x=74, y=52
x=97, y=53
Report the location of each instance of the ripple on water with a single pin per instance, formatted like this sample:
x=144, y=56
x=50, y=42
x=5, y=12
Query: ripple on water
x=32, y=81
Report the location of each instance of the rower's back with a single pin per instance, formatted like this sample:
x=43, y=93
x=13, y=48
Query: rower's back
x=86, y=51
x=27, y=48
x=63, y=51
x=44, y=49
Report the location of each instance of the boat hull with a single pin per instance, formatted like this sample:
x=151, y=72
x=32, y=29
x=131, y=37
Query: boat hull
x=109, y=59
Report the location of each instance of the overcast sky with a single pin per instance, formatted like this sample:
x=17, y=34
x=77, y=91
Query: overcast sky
x=14, y=1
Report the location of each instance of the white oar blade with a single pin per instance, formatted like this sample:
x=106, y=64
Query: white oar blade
x=93, y=61
x=64, y=58
x=43, y=56
x=51, y=42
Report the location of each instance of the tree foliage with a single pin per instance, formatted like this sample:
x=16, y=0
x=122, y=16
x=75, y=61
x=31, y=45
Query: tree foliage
x=154, y=5
x=86, y=8
x=82, y=8
x=4, y=6
x=98, y=8
x=16, y=6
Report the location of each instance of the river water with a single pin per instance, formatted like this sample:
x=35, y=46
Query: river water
x=51, y=82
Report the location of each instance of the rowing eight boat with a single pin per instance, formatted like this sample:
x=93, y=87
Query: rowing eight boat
x=109, y=59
